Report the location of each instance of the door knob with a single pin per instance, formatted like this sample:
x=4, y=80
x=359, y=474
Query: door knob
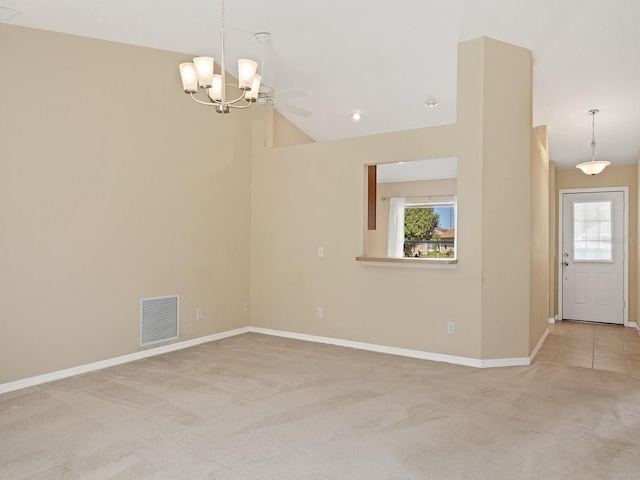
x=566, y=264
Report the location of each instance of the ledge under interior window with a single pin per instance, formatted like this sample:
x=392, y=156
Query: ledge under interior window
x=409, y=262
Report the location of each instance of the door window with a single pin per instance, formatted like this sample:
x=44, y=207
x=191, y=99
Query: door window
x=592, y=231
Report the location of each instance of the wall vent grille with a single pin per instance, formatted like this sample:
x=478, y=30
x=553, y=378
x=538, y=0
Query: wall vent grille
x=158, y=319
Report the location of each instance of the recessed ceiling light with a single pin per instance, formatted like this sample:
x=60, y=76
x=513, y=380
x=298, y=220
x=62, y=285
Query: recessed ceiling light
x=431, y=102
x=356, y=116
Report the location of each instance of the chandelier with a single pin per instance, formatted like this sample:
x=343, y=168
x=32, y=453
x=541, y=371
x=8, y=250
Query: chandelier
x=593, y=167
x=201, y=74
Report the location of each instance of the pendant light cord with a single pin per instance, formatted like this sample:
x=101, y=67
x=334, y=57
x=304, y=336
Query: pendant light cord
x=222, y=32
x=223, y=73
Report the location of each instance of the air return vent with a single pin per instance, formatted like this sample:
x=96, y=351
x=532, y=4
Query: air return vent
x=158, y=319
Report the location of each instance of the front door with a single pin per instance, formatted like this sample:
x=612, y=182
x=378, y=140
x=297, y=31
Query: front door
x=592, y=257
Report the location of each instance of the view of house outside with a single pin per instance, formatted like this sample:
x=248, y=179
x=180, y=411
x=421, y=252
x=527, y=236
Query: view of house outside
x=429, y=232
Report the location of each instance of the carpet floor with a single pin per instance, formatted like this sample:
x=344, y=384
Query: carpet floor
x=255, y=407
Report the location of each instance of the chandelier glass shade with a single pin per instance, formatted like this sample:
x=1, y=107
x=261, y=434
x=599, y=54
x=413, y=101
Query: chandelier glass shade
x=200, y=74
x=594, y=166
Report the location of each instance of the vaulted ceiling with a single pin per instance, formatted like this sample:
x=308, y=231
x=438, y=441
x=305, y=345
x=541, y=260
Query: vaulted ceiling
x=384, y=60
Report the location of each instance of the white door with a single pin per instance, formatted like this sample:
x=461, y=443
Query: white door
x=592, y=257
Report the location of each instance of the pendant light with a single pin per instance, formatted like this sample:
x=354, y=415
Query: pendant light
x=593, y=167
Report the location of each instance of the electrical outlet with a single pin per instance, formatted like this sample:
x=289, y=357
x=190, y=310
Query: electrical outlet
x=198, y=314
x=246, y=306
x=451, y=328
x=321, y=251
x=320, y=312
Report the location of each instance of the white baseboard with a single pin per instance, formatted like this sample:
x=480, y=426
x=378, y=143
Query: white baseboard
x=539, y=345
x=111, y=362
x=437, y=357
x=636, y=326
x=552, y=320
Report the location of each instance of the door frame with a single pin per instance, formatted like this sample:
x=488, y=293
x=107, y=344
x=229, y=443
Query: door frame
x=625, y=235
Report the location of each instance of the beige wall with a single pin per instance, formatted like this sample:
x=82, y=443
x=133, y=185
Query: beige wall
x=398, y=307
x=620, y=176
x=553, y=252
x=377, y=239
x=312, y=195
x=506, y=201
x=286, y=133
x=113, y=188
x=542, y=143
x=539, y=261
x=111, y=193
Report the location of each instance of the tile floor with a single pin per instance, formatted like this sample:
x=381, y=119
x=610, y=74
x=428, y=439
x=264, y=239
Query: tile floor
x=603, y=347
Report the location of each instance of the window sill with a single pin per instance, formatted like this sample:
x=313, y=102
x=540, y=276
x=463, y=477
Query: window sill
x=409, y=262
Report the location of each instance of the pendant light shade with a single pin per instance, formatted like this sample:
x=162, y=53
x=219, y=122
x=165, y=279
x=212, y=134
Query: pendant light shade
x=204, y=70
x=252, y=95
x=593, y=167
x=189, y=78
x=215, y=92
x=246, y=73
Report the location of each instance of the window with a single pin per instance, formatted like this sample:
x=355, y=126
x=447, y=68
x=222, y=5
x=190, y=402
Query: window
x=429, y=230
x=410, y=211
x=592, y=231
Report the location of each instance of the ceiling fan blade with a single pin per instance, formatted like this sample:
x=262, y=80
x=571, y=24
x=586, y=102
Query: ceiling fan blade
x=267, y=93
x=295, y=110
x=293, y=93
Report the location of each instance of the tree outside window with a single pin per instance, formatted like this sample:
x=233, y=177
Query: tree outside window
x=429, y=231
